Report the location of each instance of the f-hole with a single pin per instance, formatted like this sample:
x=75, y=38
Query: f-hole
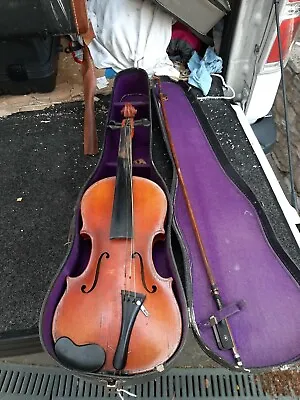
x=83, y=287
x=154, y=287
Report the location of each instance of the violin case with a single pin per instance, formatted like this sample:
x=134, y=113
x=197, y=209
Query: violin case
x=257, y=274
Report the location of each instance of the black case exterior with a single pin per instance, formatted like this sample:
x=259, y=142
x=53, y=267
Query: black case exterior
x=28, y=64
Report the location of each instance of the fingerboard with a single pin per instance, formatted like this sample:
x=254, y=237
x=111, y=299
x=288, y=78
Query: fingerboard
x=122, y=224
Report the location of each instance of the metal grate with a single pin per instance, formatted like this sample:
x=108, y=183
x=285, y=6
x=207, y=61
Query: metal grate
x=31, y=382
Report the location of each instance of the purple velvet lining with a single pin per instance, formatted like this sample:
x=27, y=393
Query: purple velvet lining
x=267, y=329
x=136, y=83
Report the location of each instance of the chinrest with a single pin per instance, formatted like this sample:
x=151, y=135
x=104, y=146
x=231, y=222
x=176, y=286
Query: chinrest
x=88, y=357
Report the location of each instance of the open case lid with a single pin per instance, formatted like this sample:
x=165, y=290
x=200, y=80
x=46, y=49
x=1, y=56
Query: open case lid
x=200, y=15
x=247, y=261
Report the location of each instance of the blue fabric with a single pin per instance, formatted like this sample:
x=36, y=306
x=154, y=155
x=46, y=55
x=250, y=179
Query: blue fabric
x=109, y=73
x=202, y=68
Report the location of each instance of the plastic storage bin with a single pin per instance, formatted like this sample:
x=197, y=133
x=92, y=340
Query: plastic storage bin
x=28, y=65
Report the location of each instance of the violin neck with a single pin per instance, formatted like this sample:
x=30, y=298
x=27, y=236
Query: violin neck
x=122, y=223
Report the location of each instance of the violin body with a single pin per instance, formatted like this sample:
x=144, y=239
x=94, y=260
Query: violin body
x=119, y=305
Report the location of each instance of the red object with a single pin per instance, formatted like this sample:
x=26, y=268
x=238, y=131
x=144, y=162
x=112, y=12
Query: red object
x=288, y=31
x=181, y=32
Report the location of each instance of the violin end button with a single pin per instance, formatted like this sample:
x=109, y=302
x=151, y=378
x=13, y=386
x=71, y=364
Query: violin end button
x=160, y=368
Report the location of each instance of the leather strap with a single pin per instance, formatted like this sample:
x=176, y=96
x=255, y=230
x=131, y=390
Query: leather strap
x=89, y=88
x=80, y=16
x=85, y=29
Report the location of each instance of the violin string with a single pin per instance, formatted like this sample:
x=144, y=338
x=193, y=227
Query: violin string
x=123, y=131
x=124, y=262
x=127, y=247
x=129, y=189
x=132, y=213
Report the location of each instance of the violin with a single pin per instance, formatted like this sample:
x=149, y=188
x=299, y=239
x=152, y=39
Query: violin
x=119, y=315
